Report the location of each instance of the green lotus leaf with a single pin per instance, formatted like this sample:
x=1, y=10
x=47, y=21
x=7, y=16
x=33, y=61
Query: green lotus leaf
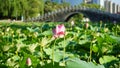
x=107, y=59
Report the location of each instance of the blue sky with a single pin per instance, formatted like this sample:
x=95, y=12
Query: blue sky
x=116, y=1
x=78, y=1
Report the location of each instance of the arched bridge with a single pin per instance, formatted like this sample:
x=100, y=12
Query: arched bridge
x=62, y=15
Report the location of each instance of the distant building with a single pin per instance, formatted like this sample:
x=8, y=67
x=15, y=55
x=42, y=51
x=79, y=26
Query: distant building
x=99, y=2
x=114, y=8
x=87, y=1
x=108, y=6
x=117, y=9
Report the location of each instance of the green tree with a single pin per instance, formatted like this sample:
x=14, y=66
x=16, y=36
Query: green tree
x=27, y=8
x=76, y=17
x=17, y=8
x=52, y=6
x=30, y=8
x=5, y=6
x=42, y=7
x=96, y=6
x=34, y=8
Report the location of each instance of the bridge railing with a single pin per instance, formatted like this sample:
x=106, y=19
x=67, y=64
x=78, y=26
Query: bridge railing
x=72, y=9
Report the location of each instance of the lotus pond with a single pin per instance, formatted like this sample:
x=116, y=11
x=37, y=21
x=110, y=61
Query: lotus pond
x=40, y=45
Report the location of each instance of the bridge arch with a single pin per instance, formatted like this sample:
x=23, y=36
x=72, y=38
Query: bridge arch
x=93, y=16
x=70, y=15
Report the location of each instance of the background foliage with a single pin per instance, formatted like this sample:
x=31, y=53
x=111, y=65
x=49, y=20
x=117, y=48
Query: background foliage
x=27, y=8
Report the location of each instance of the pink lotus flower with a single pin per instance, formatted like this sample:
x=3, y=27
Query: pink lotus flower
x=28, y=62
x=59, y=31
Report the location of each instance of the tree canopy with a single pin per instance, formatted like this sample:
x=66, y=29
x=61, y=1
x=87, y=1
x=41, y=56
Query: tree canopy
x=51, y=6
x=27, y=8
x=96, y=6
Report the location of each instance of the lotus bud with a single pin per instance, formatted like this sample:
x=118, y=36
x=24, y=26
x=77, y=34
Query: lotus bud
x=8, y=29
x=28, y=62
x=72, y=23
x=106, y=30
x=86, y=25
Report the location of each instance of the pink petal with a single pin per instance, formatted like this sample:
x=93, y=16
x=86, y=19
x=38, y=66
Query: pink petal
x=28, y=62
x=59, y=31
x=60, y=28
